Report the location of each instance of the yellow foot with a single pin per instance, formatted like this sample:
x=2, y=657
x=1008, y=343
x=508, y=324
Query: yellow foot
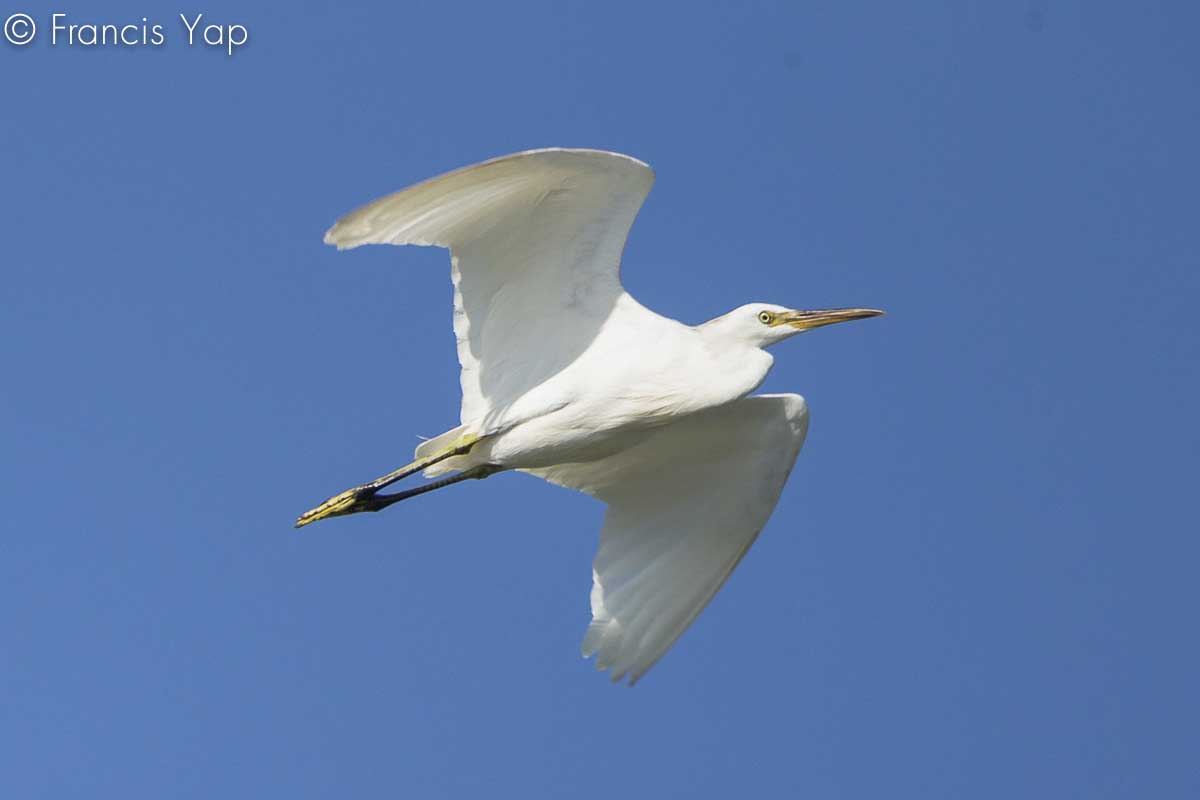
x=348, y=502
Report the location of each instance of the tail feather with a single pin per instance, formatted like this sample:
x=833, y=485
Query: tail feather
x=441, y=442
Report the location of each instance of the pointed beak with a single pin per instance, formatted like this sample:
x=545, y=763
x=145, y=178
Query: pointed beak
x=807, y=320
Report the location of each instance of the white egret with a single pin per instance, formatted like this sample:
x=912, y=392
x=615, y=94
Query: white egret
x=566, y=376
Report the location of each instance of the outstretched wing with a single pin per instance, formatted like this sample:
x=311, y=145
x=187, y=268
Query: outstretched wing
x=683, y=508
x=535, y=240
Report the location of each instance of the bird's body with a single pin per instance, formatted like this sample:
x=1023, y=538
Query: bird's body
x=568, y=377
x=616, y=392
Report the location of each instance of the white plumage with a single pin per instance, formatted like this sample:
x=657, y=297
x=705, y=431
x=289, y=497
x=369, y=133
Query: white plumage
x=566, y=376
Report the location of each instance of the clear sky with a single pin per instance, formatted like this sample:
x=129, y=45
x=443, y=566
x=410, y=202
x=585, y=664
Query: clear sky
x=980, y=581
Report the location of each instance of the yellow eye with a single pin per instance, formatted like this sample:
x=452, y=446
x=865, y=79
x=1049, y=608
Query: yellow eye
x=765, y=317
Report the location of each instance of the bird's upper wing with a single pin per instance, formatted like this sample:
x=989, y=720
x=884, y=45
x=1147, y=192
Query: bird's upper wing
x=535, y=241
x=683, y=507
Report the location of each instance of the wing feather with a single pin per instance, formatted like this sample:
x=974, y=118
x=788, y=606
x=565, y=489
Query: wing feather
x=684, y=506
x=536, y=241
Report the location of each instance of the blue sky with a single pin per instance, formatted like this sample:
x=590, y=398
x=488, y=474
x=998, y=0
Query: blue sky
x=980, y=581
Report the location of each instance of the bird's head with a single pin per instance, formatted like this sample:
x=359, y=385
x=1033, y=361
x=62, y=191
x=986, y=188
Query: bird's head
x=763, y=324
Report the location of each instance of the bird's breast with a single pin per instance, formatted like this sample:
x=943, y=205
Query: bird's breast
x=615, y=407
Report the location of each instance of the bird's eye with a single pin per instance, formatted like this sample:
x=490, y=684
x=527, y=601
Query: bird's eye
x=765, y=317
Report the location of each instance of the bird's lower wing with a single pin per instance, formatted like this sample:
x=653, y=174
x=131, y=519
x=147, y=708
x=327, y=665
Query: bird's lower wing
x=683, y=508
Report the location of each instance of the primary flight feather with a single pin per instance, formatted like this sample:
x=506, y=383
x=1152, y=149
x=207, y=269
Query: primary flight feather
x=566, y=376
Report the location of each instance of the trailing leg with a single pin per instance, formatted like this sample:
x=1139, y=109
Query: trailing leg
x=364, y=497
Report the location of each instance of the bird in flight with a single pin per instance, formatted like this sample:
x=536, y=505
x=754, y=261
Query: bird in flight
x=567, y=377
